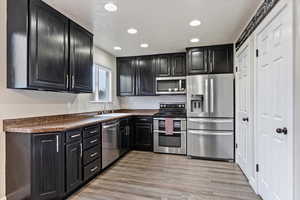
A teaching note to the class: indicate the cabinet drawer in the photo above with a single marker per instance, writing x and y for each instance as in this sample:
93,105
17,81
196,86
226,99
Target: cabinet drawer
91,131
91,154
73,136
92,169
90,142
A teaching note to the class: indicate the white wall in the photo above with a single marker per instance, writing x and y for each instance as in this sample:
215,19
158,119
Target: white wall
148,102
18,103
297,100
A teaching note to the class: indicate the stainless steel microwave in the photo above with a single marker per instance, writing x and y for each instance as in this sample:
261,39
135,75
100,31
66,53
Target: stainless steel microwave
171,85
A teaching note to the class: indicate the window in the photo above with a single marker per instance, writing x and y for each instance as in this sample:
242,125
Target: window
102,84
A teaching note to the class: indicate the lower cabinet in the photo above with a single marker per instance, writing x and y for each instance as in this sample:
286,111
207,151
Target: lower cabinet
143,134
73,165
47,166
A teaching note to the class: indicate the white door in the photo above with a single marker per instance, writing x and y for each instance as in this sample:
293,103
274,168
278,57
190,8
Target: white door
243,105
274,82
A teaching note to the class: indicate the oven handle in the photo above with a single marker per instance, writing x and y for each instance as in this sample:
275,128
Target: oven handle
174,132
181,119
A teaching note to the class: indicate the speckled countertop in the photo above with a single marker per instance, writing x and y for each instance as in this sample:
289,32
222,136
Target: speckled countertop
61,123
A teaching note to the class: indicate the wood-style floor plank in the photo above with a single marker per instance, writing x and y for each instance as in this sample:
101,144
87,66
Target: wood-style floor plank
151,176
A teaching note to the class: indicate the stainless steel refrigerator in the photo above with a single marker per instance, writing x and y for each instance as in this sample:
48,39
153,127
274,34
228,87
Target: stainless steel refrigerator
210,112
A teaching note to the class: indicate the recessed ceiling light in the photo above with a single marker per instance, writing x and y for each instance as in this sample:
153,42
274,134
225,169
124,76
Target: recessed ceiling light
144,45
194,40
132,31
110,7
195,23
117,48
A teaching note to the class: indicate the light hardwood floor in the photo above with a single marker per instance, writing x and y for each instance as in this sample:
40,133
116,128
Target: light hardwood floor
145,176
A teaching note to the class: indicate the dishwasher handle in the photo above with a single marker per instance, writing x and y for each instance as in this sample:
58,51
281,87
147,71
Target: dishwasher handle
110,125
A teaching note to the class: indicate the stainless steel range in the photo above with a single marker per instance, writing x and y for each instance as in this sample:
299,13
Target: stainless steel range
170,129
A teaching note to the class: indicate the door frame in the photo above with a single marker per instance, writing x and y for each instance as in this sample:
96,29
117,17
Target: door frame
282,4
250,44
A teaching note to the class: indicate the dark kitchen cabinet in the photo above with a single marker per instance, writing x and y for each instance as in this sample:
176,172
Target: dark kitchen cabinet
81,59
47,166
178,64
197,61
171,65
125,136
73,165
48,69
143,134
163,68
221,59
145,76
212,59
38,49
126,76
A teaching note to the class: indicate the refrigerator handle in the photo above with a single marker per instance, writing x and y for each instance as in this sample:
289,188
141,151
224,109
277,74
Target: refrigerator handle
212,95
206,96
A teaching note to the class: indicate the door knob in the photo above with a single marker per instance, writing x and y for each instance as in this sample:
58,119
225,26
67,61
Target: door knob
282,130
246,119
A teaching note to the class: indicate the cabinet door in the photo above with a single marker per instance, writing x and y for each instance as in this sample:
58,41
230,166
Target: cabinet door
146,76
221,59
179,65
126,76
143,137
48,48
73,165
81,59
163,68
197,61
47,166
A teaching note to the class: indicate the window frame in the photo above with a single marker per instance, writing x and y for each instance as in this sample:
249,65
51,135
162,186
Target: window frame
96,95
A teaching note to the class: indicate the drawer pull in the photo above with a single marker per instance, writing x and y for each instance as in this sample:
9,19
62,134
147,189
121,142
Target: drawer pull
93,141
92,132
94,169
93,155
75,136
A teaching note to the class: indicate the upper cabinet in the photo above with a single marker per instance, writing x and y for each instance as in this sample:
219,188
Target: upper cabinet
171,65
45,51
145,76
126,76
163,66
81,59
49,30
136,76
212,59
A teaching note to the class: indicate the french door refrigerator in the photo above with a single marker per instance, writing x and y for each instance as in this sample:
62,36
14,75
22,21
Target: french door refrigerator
210,112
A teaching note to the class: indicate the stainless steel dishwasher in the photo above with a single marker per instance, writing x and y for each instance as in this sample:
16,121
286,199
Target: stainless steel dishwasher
110,142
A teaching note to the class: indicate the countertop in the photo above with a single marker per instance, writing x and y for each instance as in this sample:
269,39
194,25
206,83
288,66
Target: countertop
60,123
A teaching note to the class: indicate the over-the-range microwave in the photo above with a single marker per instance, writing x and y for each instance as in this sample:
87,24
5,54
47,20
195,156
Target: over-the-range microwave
171,85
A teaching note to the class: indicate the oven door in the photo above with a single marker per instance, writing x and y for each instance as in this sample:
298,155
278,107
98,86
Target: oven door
174,144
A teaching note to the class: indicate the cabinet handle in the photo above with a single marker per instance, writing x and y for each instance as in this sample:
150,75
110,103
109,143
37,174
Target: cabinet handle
93,155
92,132
81,150
73,81
67,81
93,141
94,169
57,144
75,136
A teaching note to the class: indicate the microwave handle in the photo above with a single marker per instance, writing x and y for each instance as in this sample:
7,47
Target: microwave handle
180,85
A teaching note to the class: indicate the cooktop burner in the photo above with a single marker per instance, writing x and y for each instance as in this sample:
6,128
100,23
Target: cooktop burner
171,110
